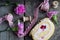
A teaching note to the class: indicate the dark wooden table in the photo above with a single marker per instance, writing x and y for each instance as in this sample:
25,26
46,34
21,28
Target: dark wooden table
30,6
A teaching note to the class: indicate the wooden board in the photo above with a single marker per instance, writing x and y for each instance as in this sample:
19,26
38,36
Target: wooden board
30,6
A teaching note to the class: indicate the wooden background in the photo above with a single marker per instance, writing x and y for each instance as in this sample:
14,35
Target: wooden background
30,6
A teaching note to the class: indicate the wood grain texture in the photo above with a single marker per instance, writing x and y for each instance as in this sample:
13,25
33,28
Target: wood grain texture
8,35
30,7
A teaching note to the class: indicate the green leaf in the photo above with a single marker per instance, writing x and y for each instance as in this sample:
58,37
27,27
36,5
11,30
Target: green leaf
55,19
15,29
16,3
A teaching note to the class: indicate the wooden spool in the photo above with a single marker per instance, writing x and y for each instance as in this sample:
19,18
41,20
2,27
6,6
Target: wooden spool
29,18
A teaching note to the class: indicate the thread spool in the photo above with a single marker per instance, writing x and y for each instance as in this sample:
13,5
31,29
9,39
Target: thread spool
55,4
29,18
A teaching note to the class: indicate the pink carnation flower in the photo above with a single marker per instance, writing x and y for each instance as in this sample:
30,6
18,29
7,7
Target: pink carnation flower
45,5
51,13
20,9
9,18
20,28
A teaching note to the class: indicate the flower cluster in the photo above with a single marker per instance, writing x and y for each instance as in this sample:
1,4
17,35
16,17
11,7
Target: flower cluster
20,9
51,13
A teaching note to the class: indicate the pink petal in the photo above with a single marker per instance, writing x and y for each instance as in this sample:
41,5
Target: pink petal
20,9
20,28
45,5
51,13
9,18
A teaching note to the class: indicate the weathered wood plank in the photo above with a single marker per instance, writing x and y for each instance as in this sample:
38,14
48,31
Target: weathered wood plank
4,10
30,6
4,36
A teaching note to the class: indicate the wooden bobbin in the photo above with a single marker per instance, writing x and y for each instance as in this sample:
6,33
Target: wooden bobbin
29,18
